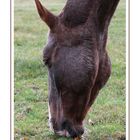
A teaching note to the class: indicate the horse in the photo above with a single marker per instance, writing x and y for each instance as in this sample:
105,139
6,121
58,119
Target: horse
77,60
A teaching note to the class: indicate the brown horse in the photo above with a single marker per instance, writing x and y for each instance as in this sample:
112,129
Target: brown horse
77,60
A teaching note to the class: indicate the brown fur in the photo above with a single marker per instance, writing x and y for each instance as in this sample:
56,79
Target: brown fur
77,60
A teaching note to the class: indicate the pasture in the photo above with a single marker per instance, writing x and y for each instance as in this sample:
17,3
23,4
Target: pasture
106,119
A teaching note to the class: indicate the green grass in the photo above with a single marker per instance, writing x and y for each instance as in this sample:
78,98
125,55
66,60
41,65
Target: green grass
107,115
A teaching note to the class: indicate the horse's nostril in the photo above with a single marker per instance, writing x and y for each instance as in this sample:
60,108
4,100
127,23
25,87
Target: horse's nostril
76,132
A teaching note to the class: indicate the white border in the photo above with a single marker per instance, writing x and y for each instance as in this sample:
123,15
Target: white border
5,69
135,69
12,70
127,67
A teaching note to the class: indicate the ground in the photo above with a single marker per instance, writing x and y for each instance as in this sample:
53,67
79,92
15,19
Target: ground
106,119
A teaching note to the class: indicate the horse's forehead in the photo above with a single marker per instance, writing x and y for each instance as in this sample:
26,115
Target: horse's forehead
67,36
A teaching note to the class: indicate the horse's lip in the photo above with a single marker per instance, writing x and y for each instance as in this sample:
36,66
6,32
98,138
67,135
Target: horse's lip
77,138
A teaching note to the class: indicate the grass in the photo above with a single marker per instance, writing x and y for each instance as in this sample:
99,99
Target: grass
106,119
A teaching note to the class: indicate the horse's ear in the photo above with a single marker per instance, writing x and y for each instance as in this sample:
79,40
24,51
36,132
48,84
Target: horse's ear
105,12
45,15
